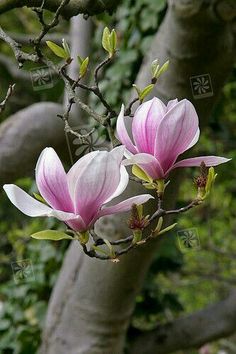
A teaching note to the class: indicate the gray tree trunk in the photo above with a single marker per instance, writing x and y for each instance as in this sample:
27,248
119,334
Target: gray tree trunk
39,126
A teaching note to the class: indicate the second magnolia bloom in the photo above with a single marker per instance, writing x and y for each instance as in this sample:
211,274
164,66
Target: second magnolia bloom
160,134
79,197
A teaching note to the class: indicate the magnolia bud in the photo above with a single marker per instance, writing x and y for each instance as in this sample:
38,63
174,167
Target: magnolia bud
137,221
204,181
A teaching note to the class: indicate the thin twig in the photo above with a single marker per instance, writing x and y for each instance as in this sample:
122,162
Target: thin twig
100,241
96,90
98,68
8,95
46,27
162,212
191,205
129,108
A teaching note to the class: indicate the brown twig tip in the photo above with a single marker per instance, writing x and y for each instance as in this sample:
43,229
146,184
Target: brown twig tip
201,180
9,93
137,221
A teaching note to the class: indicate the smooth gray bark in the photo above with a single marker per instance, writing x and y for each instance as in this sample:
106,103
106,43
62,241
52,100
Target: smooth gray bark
24,135
80,36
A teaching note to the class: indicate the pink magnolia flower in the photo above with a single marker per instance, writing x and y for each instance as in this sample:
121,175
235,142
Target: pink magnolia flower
160,134
78,198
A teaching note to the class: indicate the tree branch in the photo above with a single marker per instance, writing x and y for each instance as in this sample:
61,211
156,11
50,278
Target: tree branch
25,38
8,95
75,7
211,323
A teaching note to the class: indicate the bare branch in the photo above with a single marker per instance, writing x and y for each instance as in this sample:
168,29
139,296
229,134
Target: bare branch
75,7
8,95
21,56
214,322
25,38
47,27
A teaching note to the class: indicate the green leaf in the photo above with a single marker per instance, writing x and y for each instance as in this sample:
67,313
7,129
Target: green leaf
140,210
53,235
109,41
66,48
106,40
163,69
110,247
137,236
80,60
167,229
145,92
139,172
159,225
210,179
113,40
154,68
100,250
57,50
84,67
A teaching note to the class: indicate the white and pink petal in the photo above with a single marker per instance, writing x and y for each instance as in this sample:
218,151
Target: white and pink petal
76,171
122,131
195,139
124,180
196,161
145,123
31,207
148,163
125,205
77,224
172,103
176,133
97,183
52,182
